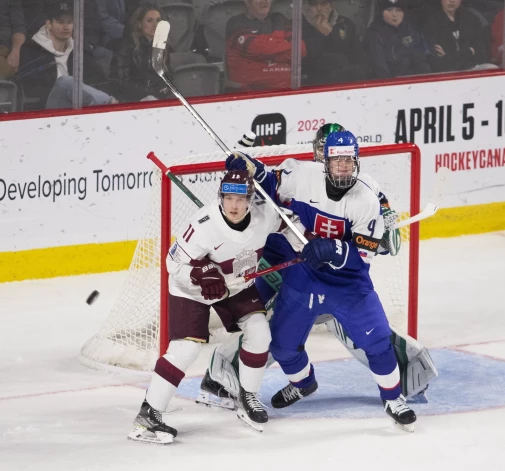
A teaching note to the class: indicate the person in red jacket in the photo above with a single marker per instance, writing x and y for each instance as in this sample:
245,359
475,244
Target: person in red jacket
258,48
497,38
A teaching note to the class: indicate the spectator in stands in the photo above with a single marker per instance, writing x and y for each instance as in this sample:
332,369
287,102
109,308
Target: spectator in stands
334,51
46,63
258,48
497,38
456,38
35,15
394,45
137,79
112,15
12,36
130,8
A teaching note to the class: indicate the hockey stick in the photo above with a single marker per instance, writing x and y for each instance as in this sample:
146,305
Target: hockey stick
430,209
159,45
434,201
166,170
266,271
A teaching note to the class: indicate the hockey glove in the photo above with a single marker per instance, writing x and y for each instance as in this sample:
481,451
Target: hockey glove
255,167
391,240
320,251
206,275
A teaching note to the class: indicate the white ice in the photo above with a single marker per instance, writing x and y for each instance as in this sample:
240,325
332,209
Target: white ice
56,414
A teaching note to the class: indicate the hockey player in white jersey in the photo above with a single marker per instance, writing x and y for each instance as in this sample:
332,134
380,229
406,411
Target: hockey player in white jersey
221,242
341,215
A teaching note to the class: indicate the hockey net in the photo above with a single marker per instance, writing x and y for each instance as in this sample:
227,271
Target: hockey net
135,332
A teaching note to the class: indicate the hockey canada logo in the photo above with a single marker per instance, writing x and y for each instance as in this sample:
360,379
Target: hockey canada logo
328,227
270,129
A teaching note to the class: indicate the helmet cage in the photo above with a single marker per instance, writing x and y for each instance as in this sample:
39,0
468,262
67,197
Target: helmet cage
347,179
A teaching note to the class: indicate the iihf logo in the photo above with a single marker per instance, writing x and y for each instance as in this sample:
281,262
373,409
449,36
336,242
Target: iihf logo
270,129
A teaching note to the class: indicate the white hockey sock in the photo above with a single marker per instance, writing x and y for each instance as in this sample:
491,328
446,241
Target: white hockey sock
251,378
388,381
169,371
254,351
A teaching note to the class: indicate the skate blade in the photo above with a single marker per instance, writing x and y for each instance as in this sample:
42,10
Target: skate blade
140,434
241,414
410,428
210,400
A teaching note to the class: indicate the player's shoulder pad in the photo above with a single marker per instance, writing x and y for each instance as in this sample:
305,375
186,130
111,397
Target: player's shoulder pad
203,214
289,164
362,199
370,182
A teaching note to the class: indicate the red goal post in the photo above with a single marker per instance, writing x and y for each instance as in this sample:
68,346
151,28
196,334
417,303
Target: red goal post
167,235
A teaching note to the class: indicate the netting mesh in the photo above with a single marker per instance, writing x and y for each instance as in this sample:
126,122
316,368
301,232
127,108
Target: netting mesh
130,336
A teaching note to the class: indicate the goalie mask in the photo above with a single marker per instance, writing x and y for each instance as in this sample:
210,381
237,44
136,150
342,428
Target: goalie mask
341,159
236,195
320,139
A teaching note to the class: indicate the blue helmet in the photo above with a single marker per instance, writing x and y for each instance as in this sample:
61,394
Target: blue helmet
340,150
320,139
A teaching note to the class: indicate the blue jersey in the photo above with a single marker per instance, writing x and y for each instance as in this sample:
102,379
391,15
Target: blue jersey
355,219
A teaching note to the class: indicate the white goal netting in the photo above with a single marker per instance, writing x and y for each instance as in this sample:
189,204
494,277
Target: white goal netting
130,336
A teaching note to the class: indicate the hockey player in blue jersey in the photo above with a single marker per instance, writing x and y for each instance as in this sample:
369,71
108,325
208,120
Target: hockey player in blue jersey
341,215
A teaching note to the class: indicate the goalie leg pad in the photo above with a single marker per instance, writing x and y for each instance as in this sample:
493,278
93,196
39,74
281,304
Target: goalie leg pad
222,371
416,366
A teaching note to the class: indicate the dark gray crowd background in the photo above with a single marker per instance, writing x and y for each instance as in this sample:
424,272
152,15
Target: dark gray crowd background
231,46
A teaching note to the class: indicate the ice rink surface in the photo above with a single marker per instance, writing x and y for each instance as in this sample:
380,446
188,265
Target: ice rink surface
56,414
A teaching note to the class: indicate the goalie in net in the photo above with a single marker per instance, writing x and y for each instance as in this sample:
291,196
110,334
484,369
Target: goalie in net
378,351
221,242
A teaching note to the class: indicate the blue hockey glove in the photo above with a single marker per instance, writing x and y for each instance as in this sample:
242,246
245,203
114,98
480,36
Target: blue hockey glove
320,251
233,162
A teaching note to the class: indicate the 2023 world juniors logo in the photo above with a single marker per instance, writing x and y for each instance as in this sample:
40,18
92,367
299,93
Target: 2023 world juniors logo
270,129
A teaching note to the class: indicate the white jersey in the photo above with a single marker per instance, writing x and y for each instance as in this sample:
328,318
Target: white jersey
356,216
236,253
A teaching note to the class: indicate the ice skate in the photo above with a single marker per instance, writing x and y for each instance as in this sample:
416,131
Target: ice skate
251,410
150,428
403,416
214,394
291,394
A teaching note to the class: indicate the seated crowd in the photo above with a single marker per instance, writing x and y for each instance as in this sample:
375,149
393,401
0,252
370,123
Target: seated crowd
401,38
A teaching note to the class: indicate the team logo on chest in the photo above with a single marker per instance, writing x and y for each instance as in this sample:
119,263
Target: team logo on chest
245,263
328,227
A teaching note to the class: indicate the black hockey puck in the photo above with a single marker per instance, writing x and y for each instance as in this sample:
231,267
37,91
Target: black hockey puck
92,297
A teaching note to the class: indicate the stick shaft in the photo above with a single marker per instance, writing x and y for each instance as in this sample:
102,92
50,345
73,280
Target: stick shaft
266,271
159,46
152,156
431,208
227,151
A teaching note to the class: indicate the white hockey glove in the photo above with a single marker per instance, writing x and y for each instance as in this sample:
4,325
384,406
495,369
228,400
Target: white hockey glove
391,240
